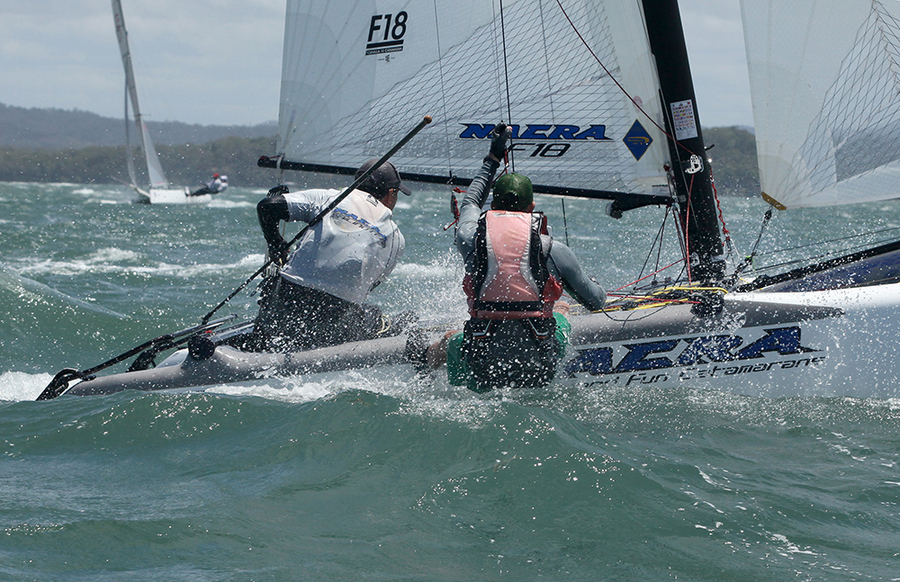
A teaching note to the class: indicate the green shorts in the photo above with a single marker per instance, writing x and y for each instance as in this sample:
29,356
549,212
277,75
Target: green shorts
458,370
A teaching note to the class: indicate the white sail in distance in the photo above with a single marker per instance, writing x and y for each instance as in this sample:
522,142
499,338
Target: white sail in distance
825,87
154,168
358,74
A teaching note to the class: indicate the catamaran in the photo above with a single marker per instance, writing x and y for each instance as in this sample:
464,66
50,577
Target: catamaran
600,97
158,191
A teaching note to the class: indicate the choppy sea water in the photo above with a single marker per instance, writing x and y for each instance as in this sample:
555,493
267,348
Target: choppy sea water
382,475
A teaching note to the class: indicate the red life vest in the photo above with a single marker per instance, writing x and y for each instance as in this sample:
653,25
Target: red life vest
511,279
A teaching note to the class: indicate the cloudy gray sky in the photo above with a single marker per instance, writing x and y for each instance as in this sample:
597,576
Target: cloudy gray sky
218,62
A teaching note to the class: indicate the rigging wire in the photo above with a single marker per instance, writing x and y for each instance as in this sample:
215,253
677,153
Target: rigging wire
823,255
510,158
656,272
657,243
687,221
678,145
833,240
616,81
725,232
748,260
440,65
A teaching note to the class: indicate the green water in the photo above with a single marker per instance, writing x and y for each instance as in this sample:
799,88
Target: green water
381,475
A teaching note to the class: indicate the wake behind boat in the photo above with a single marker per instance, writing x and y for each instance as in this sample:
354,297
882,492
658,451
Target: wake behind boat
602,106
158,190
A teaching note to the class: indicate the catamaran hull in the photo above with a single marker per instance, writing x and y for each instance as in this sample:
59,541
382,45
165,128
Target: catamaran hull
170,196
228,365
823,343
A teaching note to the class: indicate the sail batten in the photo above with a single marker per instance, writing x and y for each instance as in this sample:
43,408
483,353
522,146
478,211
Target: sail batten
354,77
825,85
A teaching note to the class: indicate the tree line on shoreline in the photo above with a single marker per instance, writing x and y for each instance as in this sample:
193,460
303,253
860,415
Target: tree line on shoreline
187,164
732,149
58,129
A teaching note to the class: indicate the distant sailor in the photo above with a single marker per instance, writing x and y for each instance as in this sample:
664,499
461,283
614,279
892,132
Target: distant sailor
318,297
217,185
515,273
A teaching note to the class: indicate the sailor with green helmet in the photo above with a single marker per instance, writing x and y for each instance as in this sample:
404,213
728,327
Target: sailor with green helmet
515,273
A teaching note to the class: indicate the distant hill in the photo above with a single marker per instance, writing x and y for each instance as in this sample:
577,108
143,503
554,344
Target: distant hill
52,145
185,165
734,163
58,129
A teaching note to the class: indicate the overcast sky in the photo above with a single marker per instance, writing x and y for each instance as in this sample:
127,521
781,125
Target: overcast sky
218,62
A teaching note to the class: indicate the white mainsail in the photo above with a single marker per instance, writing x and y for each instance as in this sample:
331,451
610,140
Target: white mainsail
358,74
154,168
825,85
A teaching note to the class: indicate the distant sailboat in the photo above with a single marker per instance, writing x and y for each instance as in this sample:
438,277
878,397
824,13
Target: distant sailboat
158,191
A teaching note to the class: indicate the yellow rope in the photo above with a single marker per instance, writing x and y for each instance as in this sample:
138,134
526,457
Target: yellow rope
650,301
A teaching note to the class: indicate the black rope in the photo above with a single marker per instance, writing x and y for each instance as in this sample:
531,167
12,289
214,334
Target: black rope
833,240
657,243
825,255
748,260
512,159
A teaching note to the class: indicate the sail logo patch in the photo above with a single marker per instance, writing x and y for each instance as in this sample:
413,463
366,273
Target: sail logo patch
637,140
538,131
693,353
361,223
386,33
539,139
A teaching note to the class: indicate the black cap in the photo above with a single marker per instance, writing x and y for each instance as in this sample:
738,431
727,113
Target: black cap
379,181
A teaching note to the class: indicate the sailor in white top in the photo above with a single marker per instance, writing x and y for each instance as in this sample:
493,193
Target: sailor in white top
318,298
215,186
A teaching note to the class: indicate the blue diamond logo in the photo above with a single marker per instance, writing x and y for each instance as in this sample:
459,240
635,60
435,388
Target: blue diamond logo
637,140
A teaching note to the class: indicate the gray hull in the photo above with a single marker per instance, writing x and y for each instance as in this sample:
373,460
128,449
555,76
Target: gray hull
228,365
604,348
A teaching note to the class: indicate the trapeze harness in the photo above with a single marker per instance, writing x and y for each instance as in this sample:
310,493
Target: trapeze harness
510,338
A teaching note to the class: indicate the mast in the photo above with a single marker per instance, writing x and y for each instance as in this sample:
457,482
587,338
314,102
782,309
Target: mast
129,154
693,183
154,168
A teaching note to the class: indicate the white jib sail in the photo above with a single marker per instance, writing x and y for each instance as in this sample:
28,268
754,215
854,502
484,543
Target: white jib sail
154,168
357,75
825,85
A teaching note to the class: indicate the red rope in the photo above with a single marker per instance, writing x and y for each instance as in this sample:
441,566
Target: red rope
687,221
650,275
712,182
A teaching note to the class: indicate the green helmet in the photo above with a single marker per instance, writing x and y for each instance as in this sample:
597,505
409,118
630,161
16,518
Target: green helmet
513,192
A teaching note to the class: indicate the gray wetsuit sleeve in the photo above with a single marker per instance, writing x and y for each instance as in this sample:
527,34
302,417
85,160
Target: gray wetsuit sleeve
564,266
470,208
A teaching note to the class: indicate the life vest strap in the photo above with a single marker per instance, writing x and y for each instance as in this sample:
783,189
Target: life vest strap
508,306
